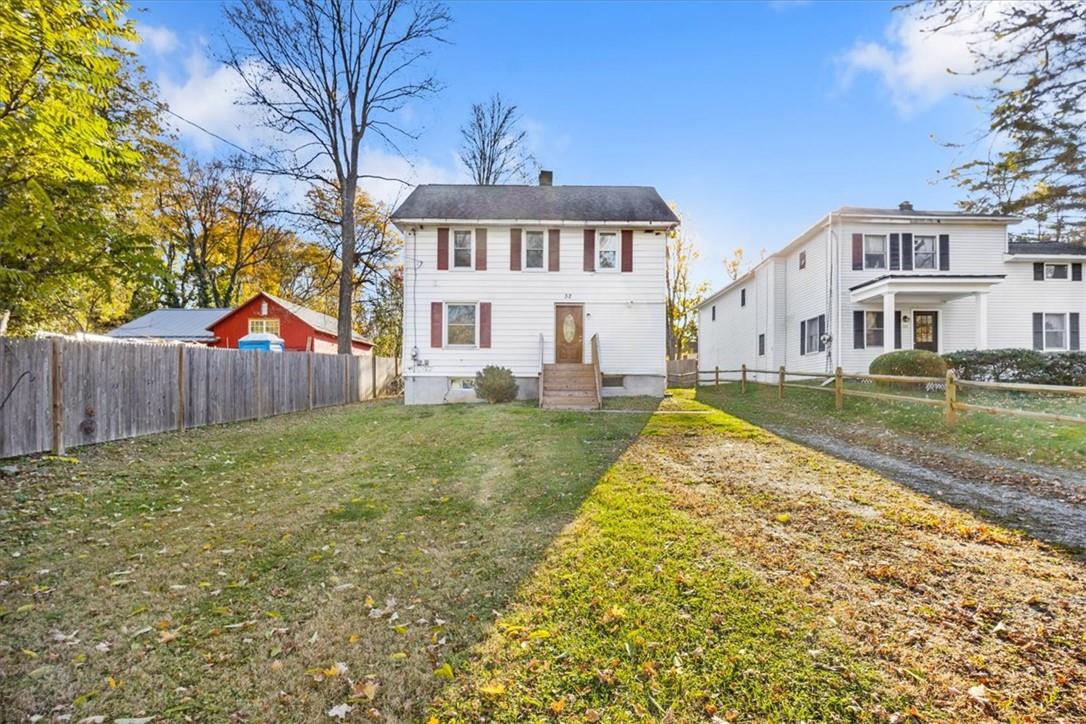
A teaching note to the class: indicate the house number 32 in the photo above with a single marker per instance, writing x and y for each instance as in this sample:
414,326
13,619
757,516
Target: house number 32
568,295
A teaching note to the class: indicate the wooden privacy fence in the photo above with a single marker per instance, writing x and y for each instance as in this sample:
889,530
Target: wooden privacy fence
682,372
949,401
57,393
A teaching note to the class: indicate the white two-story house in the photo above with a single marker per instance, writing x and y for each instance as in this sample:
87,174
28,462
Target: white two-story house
861,282
524,277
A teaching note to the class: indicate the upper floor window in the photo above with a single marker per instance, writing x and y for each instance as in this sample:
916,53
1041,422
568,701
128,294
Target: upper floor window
714,312
259,325
533,250
607,252
924,252
742,297
873,329
874,251
460,327
803,260
1055,326
462,249
1056,271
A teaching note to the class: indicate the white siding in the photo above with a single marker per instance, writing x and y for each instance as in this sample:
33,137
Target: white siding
625,309
801,294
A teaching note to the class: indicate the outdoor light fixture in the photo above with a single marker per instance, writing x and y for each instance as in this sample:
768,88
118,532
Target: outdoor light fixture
904,318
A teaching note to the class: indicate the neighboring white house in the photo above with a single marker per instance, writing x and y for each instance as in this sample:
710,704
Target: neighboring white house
861,282
524,276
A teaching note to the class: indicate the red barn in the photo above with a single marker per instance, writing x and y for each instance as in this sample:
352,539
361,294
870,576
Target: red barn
302,329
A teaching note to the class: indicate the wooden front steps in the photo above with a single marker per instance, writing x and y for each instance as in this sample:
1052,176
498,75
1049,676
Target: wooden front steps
569,387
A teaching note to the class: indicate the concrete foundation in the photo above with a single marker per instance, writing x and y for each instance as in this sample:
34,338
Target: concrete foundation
438,390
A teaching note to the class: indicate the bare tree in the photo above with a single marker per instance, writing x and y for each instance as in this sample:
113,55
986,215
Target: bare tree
493,146
326,72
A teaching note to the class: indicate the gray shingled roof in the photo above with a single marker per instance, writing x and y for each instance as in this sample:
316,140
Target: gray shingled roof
186,325
912,213
315,319
1046,247
544,203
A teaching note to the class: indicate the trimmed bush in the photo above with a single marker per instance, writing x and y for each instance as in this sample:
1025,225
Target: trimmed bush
1019,365
495,384
910,363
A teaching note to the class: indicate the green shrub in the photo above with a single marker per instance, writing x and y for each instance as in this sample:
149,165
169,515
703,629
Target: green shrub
909,363
495,384
1019,365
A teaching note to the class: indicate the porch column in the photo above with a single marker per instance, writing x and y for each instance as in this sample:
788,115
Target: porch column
888,321
982,319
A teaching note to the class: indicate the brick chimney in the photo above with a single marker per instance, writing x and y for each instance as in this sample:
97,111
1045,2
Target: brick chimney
905,206
546,178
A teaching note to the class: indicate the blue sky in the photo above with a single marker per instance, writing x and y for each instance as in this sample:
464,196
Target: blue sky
755,118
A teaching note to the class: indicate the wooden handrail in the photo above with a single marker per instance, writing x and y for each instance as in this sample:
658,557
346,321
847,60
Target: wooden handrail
597,375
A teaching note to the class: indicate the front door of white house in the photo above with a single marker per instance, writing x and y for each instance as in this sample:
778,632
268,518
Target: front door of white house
569,333
926,331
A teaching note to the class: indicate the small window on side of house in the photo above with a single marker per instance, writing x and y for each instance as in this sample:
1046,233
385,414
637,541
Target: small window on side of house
258,325
1056,271
873,329
462,249
811,335
1055,328
742,297
803,260
713,310
761,345
924,252
460,327
874,251
607,253
533,250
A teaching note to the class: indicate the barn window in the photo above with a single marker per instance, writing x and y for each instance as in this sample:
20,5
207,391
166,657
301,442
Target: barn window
258,325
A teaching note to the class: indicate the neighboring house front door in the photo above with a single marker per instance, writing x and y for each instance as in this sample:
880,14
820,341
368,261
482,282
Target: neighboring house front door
926,331
569,333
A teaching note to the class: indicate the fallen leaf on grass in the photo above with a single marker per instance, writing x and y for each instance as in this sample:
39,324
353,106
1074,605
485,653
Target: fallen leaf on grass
164,637
492,689
444,671
340,711
364,689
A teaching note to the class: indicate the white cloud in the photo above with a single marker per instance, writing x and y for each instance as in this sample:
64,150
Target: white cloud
160,40
916,66
400,174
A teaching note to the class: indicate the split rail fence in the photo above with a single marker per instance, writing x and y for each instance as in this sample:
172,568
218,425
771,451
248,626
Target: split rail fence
57,393
948,402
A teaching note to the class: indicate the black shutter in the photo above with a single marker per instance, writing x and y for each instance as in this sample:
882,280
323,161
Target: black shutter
1076,272
944,252
1074,330
907,252
803,338
1038,330
821,332
897,329
858,329
1038,271
895,252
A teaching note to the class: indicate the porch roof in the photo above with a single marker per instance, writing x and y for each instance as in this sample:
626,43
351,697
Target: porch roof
929,287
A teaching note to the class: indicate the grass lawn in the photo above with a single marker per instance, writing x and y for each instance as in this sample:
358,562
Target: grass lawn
232,570
720,571
1062,445
460,563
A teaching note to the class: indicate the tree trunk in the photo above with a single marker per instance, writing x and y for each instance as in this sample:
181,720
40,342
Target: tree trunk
346,273
4,317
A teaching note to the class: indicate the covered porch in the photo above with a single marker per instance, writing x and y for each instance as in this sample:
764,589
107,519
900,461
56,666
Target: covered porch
916,303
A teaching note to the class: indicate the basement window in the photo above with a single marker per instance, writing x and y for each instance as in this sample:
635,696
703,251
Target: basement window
614,381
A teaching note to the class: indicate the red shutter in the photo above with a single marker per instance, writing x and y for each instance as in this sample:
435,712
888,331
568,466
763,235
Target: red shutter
443,248
435,324
480,250
589,250
857,252
627,250
514,250
484,324
554,245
